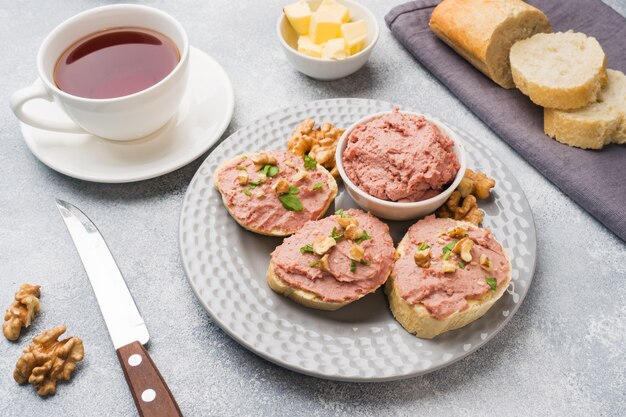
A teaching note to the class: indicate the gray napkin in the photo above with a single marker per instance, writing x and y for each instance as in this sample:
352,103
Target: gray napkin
596,180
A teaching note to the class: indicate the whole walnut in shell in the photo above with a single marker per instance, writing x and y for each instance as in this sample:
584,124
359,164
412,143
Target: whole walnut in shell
48,360
22,311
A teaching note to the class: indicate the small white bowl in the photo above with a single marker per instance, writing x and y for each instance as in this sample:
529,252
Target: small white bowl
326,69
392,210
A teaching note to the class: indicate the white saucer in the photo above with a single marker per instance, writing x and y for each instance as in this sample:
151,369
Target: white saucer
204,114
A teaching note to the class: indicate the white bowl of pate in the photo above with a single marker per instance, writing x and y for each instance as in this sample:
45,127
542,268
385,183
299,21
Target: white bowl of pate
400,165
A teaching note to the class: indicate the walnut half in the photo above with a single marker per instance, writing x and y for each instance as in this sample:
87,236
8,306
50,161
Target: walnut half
319,144
462,203
48,360
23,310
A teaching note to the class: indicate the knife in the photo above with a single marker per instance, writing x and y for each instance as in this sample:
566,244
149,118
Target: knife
126,326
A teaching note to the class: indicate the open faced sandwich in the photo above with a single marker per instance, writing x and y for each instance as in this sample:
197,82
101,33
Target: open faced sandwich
332,262
275,193
448,274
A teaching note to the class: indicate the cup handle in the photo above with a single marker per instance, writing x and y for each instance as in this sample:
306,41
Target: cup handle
34,92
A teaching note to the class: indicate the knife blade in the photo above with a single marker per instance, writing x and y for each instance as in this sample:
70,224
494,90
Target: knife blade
123,320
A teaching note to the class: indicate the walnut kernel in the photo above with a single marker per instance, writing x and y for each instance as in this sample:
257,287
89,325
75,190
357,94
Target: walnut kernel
324,263
356,253
463,248
457,232
48,360
346,221
422,258
322,244
281,186
262,158
319,144
22,311
242,178
353,232
448,267
485,262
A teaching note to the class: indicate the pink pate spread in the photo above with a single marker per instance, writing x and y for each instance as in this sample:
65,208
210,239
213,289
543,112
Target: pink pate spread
400,157
262,210
445,293
339,284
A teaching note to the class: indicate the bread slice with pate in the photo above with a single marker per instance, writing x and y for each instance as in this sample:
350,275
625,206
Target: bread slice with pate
334,261
447,274
274,193
559,70
596,125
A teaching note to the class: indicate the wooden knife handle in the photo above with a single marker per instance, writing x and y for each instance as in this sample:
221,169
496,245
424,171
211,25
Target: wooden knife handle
150,392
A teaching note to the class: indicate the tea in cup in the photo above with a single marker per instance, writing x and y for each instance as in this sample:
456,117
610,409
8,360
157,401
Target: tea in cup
118,72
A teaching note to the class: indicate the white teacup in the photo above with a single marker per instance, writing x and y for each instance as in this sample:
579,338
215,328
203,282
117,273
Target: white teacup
121,118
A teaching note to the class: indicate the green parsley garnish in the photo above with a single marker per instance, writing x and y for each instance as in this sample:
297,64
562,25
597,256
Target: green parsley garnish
340,213
241,167
363,237
335,234
269,170
253,184
461,264
423,246
446,255
449,247
366,263
352,266
309,163
246,192
317,185
314,264
306,248
492,282
290,201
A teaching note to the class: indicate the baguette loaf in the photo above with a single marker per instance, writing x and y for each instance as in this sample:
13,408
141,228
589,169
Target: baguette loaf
596,125
483,31
559,70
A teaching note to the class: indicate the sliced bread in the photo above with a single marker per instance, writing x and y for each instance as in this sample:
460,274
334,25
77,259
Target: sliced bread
596,125
415,317
255,203
559,70
483,31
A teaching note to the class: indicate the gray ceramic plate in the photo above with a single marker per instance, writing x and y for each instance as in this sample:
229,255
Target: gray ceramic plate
226,268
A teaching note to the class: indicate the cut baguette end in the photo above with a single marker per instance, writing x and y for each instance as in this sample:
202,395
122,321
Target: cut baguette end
559,70
596,125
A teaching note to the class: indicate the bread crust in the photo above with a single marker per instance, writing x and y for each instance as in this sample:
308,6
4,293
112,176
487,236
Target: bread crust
416,319
482,31
306,298
596,125
332,185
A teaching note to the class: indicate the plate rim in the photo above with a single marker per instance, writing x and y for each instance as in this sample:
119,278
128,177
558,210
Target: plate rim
340,378
228,116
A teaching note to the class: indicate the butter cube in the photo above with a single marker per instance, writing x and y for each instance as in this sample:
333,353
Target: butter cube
299,16
308,47
336,9
324,26
355,34
334,49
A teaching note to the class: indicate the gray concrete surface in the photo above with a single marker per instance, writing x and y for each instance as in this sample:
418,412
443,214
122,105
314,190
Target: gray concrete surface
564,353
